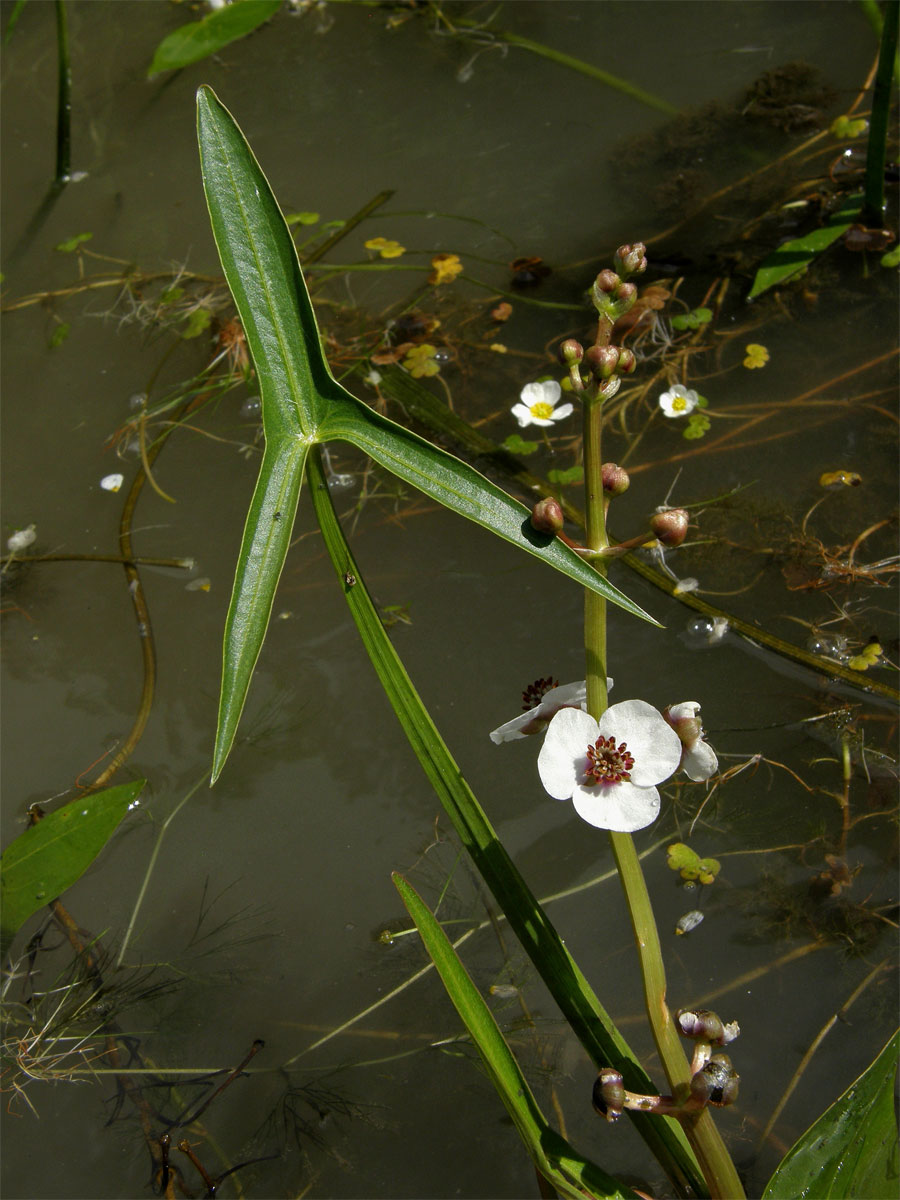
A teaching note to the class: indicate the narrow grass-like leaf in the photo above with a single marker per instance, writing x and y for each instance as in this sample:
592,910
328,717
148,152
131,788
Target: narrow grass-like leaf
589,1020
557,1161
795,256
51,855
267,535
851,1151
189,43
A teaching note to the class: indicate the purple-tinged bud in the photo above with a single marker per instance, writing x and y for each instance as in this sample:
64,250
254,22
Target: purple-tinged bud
701,1025
571,352
670,527
609,1094
626,294
631,260
607,281
615,479
603,360
627,362
547,516
717,1083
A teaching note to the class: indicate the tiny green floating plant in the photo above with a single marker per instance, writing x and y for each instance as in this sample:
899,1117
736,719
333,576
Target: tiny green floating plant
607,759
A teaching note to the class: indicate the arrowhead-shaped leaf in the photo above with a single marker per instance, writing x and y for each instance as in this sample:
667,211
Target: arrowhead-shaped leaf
302,403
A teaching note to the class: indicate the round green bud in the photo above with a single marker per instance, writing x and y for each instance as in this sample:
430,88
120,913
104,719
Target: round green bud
615,479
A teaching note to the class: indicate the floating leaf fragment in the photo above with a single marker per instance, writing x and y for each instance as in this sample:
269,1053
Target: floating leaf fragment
868,657
421,361
692,320
71,244
385,247
848,127
838,479
446,268
757,356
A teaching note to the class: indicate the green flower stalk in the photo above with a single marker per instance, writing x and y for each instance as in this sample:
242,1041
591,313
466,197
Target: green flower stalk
613,299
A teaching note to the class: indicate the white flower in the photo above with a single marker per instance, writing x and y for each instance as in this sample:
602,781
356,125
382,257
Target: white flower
112,483
536,720
609,768
537,404
678,401
698,759
21,539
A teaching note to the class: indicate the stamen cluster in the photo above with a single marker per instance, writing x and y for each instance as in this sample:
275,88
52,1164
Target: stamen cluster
607,762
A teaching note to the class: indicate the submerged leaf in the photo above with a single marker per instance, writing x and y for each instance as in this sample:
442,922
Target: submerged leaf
793,257
189,43
53,853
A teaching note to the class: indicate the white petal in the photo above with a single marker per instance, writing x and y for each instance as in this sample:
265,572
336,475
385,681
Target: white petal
700,761
546,392
687,708
654,744
563,411
618,806
566,693
112,483
563,757
522,414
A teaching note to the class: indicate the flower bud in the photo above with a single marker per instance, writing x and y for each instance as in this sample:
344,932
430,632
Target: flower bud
603,360
615,479
717,1083
626,294
670,527
699,1024
609,1094
607,281
571,352
627,361
547,516
631,260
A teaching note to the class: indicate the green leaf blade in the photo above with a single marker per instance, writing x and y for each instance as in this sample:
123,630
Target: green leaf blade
851,1151
793,257
198,39
462,489
267,535
48,857
261,265
569,1173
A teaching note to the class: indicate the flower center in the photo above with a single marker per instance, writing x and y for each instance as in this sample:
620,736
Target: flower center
679,404
607,762
535,692
542,410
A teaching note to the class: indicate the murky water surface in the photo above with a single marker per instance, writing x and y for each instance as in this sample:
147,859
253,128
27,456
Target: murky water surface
265,897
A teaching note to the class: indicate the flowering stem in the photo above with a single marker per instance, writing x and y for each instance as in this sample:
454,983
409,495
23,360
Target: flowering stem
712,1156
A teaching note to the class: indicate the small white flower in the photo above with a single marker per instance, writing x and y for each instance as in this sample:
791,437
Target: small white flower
112,483
21,539
536,719
609,768
698,759
537,404
678,401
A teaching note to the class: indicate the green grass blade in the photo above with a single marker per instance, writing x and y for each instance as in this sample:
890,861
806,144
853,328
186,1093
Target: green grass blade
51,855
198,39
462,489
578,1177
589,1020
267,535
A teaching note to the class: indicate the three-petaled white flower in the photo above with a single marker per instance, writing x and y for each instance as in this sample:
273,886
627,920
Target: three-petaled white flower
678,401
609,768
698,759
536,719
537,404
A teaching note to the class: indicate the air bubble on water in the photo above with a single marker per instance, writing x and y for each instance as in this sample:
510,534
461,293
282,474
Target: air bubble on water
337,482
137,401
251,408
